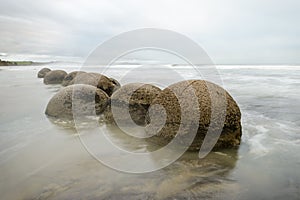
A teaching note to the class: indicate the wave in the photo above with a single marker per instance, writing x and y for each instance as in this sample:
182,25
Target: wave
264,134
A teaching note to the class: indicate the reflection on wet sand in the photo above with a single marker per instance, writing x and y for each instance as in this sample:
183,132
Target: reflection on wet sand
187,178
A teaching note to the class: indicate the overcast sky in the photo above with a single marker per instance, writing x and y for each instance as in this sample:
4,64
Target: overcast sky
239,31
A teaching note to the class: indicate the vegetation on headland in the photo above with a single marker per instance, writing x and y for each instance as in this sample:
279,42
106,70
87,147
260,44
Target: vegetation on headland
18,63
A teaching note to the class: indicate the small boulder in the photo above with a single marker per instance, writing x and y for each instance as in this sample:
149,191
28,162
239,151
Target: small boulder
135,96
227,116
116,83
95,79
89,101
70,76
54,77
43,72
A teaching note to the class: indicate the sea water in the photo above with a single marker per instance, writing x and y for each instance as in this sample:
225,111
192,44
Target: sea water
45,159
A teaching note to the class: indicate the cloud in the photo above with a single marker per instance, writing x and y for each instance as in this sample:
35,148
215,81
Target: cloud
231,31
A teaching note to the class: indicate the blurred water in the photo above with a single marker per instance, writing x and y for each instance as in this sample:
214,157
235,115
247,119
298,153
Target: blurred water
41,160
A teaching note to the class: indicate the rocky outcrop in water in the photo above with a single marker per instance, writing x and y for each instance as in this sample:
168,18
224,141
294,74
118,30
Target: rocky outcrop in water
43,72
213,109
54,77
88,99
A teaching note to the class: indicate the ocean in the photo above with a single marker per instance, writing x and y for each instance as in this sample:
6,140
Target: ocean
45,159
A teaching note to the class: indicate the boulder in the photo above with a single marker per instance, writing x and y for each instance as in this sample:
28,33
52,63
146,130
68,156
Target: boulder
70,76
135,96
95,79
43,72
226,117
89,101
54,77
116,83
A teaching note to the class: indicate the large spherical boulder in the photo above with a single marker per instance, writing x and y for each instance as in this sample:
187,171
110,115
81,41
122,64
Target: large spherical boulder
43,72
70,76
55,77
137,98
95,79
89,101
226,116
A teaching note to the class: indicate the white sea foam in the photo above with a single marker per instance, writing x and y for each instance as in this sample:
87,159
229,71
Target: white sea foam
261,67
258,145
262,134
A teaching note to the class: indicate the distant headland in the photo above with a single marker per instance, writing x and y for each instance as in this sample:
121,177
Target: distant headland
20,63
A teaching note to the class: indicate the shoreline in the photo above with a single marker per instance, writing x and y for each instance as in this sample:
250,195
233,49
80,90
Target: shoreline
21,63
